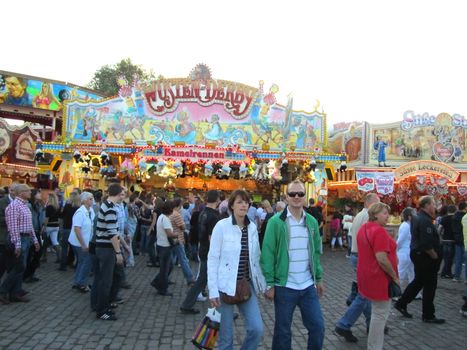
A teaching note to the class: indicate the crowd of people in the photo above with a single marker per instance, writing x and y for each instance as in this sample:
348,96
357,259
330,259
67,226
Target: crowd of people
243,250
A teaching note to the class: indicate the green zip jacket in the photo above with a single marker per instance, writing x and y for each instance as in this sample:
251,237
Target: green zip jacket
275,251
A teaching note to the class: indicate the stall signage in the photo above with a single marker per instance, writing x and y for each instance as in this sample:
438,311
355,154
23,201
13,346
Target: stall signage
237,99
426,166
411,120
366,181
384,182
25,147
5,139
195,153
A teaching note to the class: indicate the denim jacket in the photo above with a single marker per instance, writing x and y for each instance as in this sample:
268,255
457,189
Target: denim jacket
224,257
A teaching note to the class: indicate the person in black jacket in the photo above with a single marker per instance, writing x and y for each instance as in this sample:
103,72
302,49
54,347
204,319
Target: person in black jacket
425,253
207,220
458,234
446,227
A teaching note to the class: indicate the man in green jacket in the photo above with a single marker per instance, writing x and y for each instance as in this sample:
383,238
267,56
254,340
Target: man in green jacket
290,261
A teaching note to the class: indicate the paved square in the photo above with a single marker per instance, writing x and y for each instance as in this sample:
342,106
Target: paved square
60,318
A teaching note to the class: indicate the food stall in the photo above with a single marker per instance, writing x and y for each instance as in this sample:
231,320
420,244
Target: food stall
424,155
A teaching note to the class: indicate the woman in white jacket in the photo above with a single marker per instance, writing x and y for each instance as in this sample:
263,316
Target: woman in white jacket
405,265
233,255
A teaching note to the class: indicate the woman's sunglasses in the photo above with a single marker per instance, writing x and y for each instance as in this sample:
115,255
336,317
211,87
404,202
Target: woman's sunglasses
294,194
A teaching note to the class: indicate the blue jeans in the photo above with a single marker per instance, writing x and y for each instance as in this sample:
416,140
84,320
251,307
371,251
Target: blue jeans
161,281
285,302
26,242
459,258
143,244
353,261
151,249
83,266
359,305
253,322
179,251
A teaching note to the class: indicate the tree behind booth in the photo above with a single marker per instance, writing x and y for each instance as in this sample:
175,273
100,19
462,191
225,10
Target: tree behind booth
106,78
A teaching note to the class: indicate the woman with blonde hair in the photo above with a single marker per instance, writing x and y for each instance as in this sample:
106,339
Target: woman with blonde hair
45,97
51,226
376,269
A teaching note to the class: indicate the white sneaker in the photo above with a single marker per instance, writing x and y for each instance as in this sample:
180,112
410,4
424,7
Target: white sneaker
201,297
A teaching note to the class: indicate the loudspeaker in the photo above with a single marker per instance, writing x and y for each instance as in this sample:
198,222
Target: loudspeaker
57,165
330,173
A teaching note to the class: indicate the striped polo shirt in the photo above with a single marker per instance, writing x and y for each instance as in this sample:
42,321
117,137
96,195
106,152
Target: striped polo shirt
299,277
107,224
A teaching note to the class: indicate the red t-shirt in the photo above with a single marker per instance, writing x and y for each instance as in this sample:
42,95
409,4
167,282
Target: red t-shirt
373,282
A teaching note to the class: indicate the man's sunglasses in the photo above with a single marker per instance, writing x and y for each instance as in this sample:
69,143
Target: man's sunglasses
294,194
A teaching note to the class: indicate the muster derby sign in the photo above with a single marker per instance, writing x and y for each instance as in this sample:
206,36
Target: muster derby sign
165,95
426,166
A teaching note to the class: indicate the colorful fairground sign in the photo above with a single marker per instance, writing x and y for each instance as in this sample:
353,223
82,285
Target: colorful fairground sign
196,110
24,91
424,136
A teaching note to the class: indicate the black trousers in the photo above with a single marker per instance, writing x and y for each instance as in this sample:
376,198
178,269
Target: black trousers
448,257
34,260
198,287
2,260
104,278
426,278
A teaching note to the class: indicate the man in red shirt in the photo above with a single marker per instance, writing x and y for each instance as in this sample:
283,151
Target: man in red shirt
21,234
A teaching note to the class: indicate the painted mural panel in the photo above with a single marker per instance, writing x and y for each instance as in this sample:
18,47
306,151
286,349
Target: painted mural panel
195,113
347,137
17,143
20,91
442,138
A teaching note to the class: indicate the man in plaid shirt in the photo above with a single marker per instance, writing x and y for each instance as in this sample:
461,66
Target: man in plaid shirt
21,233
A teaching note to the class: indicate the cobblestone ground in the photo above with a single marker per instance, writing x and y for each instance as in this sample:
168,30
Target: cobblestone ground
60,318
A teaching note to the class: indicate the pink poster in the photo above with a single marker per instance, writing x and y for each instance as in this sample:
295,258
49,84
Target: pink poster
384,182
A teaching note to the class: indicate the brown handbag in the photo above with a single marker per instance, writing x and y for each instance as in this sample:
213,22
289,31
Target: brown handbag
242,293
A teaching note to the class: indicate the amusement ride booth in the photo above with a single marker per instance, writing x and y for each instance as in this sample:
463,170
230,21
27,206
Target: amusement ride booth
194,133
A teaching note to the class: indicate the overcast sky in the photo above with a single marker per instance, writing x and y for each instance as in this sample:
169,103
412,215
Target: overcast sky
364,60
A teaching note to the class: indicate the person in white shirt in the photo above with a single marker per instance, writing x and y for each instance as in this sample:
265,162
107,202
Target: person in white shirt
165,237
259,216
252,213
80,235
347,225
405,264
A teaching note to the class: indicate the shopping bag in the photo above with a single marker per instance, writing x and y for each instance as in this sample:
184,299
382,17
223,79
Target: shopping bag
206,333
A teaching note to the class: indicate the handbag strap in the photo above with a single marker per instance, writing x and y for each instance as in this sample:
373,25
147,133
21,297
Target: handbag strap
366,236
